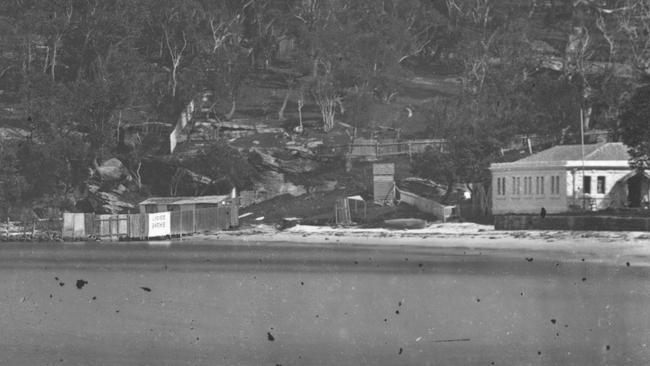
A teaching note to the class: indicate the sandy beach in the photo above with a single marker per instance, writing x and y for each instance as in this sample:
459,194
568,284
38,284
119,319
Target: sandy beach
597,245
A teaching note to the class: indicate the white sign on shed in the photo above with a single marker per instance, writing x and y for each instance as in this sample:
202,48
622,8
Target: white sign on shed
159,224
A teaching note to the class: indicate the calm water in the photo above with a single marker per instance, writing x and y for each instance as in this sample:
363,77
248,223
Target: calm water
243,304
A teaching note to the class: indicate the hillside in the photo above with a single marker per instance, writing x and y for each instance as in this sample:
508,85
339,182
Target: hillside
90,94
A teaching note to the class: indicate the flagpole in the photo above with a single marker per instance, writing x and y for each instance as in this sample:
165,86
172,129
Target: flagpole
582,148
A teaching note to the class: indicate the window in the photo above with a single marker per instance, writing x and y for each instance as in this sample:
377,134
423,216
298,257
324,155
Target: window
600,184
555,184
503,189
514,185
518,185
525,185
530,185
541,185
499,191
586,184
536,185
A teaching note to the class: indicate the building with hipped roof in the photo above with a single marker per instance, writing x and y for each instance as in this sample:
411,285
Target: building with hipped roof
560,180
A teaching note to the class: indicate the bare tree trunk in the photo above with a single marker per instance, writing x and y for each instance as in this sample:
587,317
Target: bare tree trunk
300,104
138,176
174,80
233,107
284,105
54,54
46,62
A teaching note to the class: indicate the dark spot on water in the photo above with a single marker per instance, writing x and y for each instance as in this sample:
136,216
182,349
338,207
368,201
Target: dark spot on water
566,325
492,363
478,300
302,283
146,289
81,284
539,353
607,347
356,262
165,267
397,312
197,338
385,320
270,336
582,259
522,294
61,284
627,264
56,278
400,351
117,311
584,279
529,259
60,360
557,334
318,316
406,259
94,297
553,321
50,296
420,265
399,303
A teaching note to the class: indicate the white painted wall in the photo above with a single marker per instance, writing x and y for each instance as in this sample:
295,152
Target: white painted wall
571,192
532,201
614,195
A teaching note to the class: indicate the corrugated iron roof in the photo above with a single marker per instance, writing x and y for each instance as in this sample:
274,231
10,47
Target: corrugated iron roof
603,151
183,200
202,199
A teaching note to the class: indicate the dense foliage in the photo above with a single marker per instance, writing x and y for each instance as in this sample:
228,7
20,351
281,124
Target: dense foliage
77,69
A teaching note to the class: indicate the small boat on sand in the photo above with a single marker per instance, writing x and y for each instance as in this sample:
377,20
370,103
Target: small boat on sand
405,224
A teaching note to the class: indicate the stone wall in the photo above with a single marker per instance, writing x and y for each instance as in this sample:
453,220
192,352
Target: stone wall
569,222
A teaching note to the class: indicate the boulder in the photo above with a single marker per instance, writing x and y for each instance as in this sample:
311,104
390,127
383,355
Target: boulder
112,169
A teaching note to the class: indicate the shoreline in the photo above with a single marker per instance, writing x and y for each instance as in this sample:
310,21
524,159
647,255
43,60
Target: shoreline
606,245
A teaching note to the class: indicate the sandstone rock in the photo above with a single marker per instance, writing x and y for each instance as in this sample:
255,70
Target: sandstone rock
326,186
112,169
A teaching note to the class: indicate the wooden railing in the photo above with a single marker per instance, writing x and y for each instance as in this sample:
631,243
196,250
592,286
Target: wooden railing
375,149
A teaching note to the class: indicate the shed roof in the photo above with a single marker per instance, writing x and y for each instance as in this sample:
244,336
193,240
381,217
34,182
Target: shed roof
183,200
608,151
201,199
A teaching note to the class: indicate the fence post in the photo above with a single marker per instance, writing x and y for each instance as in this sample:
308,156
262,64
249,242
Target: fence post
110,227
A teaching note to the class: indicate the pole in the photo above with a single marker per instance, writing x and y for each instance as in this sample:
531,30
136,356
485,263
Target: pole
582,147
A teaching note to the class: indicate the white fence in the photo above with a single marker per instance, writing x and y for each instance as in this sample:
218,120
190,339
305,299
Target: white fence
426,205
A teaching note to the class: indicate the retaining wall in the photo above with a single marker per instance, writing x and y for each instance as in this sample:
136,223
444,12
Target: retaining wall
559,222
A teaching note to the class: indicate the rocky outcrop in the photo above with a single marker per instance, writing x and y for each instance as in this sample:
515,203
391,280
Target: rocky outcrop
108,202
111,170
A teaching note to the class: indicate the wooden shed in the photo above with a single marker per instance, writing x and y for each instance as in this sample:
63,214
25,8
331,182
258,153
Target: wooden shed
383,183
162,204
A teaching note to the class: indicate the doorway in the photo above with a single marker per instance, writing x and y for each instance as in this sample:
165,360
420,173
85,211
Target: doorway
634,190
